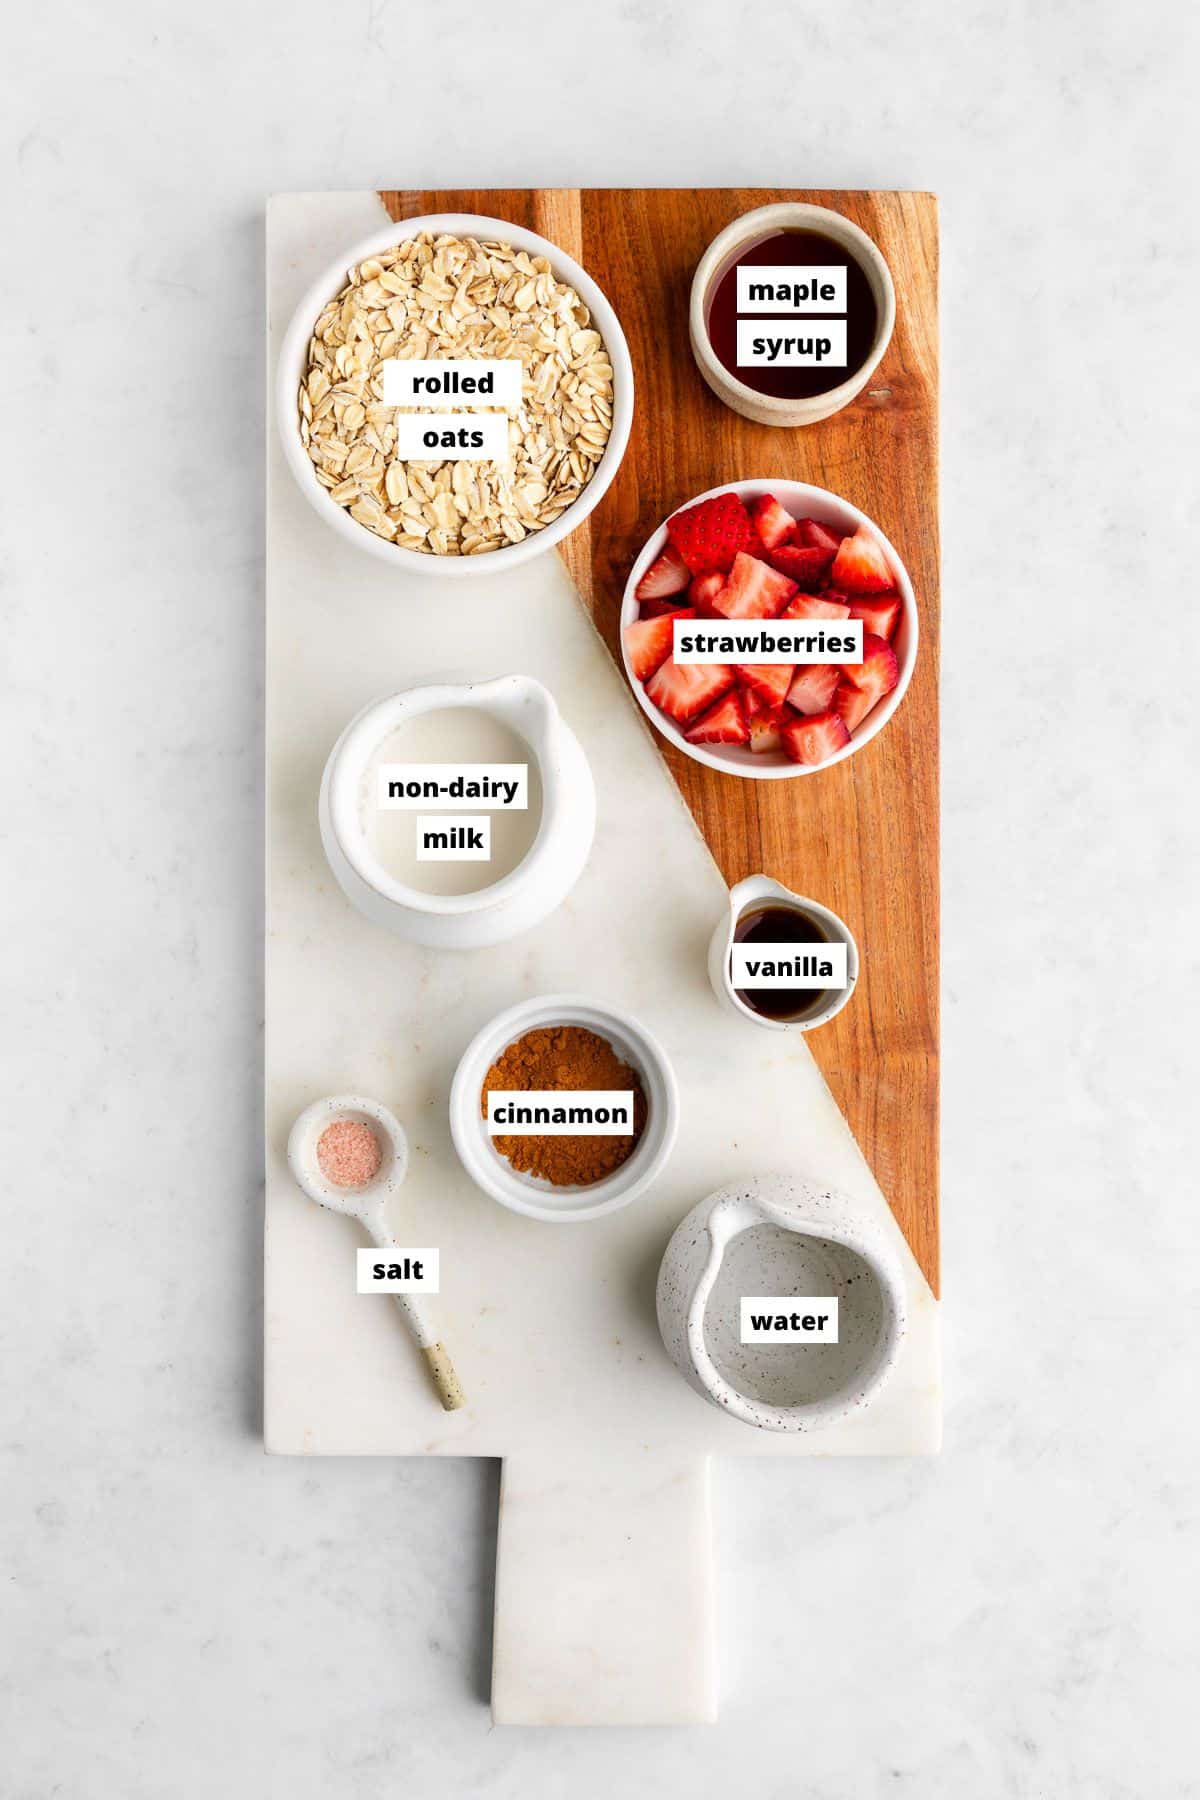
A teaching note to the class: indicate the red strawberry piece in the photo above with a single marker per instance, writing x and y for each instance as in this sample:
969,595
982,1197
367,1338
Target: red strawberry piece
708,536
683,690
770,681
864,684
753,591
670,603
752,703
724,723
648,641
851,704
764,731
810,606
802,563
817,537
860,565
773,523
880,617
667,574
704,590
813,688
814,740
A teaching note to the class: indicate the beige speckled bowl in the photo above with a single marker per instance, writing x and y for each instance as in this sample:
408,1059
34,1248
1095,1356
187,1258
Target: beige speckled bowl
769,409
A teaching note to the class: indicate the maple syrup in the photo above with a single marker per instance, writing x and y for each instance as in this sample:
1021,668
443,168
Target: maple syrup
793,249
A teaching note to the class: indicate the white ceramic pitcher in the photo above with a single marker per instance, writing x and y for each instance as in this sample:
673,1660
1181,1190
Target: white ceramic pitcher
539,883
748,896
779,1235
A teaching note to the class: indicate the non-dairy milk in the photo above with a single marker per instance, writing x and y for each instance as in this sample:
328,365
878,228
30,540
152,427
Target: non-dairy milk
467,735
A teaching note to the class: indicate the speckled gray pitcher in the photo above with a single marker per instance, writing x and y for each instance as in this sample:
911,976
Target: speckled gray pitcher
780,1235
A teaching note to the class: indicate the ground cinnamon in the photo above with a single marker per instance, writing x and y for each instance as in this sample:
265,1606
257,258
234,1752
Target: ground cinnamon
565,1056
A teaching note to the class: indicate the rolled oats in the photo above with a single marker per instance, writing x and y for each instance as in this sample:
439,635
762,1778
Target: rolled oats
455,297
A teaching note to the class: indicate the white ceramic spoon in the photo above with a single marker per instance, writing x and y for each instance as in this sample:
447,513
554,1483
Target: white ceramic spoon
368,1204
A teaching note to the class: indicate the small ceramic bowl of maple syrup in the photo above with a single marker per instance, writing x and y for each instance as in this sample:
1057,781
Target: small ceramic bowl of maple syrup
792,309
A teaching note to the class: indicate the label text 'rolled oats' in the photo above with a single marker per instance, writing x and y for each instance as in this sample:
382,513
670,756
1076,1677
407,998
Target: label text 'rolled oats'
452,436
450,381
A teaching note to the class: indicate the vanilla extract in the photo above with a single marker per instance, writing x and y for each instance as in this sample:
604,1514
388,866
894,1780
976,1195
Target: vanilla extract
784,925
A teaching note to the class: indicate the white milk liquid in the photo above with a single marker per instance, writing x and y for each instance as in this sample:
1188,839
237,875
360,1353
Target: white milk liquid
458,734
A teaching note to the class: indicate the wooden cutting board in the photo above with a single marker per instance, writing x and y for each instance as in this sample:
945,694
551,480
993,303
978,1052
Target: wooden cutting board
863,836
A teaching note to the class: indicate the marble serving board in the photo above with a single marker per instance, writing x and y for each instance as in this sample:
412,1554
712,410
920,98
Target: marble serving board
604,1585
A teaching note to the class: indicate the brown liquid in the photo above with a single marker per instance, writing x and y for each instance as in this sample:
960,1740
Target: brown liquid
781,925
794,248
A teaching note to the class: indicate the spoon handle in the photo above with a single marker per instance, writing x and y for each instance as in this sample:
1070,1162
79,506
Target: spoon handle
437,1358
448,1386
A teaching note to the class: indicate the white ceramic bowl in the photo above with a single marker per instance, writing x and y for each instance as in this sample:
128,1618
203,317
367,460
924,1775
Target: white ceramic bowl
541,1199
293,360
803,502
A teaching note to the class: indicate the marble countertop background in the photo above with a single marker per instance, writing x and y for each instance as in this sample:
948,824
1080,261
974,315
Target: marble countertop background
184,1617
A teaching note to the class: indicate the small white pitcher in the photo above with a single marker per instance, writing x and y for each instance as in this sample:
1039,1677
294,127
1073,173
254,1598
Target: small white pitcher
778,1235
521,899
752,895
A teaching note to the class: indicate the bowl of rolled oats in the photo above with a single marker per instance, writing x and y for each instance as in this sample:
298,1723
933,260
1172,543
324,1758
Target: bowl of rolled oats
454,286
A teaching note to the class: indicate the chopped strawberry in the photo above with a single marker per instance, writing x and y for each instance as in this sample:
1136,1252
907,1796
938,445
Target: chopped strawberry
772,522
814,740
683,690
817,537
880,617
851,704
752,703
864,684
668,574
670,603
770,681
801,563
708,536
704,590
764,731
724,723
648,641
753,591
813,688
860,565
812,606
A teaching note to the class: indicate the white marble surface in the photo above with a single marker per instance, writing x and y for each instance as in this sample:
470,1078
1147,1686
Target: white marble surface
184,1616
553,1331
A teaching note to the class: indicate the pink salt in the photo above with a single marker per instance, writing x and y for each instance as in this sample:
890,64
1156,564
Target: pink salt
349,1153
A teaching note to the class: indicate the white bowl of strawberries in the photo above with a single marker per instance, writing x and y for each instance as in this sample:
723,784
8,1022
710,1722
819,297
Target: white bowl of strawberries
769,550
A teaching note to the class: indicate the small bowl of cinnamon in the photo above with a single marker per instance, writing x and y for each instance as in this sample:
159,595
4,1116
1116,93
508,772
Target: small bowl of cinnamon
564,1109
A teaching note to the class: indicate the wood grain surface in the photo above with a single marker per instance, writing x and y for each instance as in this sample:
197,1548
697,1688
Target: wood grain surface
861,837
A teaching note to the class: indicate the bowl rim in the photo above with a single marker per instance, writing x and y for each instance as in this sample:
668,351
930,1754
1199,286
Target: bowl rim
492,1174
290,361
727,760
778,216
371,726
